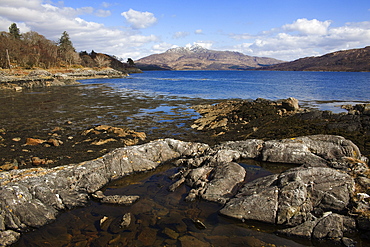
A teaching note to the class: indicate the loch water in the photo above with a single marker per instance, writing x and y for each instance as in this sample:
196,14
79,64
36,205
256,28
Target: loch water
158,99
323,90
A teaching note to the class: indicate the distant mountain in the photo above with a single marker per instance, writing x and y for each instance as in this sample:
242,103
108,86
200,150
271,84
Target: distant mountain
354,60
199,58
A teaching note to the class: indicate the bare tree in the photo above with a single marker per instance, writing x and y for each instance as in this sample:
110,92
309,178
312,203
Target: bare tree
102,61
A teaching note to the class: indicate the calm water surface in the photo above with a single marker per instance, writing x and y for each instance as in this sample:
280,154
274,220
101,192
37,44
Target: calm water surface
316,89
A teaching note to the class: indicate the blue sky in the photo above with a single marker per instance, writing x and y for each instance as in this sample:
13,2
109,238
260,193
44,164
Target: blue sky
282,29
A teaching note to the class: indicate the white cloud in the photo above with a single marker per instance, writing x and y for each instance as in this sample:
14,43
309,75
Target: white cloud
67,11
179,35
304,38
300,38
204,44
139,19
22,3
51,20
351,32
308,27
162,47
5,24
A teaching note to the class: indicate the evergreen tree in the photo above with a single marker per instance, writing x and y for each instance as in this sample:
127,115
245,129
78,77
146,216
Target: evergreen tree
14,31
130,62
66,50
64,43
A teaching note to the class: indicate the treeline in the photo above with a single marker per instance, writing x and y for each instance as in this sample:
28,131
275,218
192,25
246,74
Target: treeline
29,50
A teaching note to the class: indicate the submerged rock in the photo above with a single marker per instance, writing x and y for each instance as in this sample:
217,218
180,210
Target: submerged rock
31,198
300,197
310,198
115,199
120,223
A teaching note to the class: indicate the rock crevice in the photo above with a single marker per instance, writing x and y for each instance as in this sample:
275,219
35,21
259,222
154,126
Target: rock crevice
320,198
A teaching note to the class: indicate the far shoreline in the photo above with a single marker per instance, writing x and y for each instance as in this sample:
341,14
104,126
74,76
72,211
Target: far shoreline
18,79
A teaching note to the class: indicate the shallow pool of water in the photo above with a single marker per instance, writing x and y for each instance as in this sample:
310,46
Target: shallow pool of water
159,218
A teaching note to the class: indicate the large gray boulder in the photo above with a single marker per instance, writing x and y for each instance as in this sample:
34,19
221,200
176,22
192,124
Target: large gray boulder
329,226
315,150
308,198
320,190
213,183
290,197
31,198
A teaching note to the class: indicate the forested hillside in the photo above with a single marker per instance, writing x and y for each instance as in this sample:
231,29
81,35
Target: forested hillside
32,50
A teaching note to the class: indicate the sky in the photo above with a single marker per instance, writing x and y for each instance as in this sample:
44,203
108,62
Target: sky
281,29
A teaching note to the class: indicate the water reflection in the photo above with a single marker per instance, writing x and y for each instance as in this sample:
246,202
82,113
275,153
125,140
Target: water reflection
159,218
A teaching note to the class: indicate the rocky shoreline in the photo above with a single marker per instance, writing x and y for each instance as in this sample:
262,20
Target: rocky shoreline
265,119
43,78
326,197
59,145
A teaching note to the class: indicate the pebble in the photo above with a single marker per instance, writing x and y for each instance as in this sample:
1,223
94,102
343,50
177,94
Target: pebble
54,142
9,166
200,225
36,161
34,142
102,220
126,220
57,129
170,233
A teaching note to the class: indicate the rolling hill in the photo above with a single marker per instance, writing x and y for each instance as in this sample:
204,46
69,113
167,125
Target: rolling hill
198,58
354,60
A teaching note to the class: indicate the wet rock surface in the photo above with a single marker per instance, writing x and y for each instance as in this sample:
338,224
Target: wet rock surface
309,198
64,145
64,120
267,120
228,115
31,198
330,185
115,199
317,199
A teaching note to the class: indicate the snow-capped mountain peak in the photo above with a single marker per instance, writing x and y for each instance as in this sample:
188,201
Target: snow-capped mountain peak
188,49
